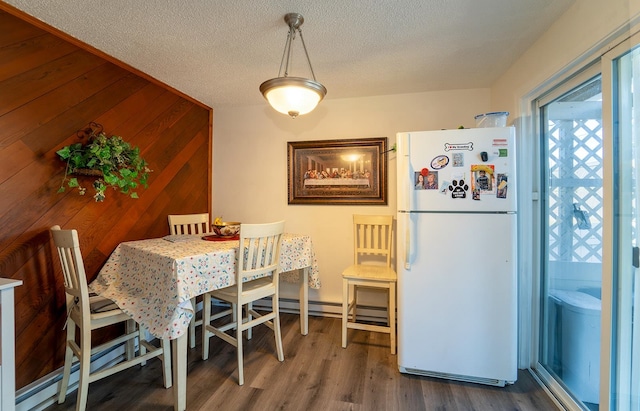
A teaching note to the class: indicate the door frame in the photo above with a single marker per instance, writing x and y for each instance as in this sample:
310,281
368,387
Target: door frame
609,350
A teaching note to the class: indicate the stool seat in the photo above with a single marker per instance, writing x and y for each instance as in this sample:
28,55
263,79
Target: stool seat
370,272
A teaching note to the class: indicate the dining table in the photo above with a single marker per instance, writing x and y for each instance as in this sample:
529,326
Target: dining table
154,280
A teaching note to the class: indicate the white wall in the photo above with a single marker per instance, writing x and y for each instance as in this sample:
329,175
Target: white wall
568,41
250,164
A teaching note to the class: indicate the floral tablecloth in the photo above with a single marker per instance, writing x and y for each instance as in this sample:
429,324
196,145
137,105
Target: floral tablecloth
154,280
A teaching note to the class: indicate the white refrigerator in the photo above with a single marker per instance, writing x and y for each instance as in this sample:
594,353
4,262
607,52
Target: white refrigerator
456,253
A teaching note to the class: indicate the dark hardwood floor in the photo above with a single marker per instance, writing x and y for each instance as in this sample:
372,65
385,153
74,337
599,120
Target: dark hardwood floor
317,374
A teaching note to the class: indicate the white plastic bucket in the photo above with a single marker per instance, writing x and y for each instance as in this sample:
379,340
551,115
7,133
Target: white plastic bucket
495,119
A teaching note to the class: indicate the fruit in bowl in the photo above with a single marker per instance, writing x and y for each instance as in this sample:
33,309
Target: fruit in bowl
226,228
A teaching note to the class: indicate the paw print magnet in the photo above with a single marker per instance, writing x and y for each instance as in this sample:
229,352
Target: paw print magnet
458,189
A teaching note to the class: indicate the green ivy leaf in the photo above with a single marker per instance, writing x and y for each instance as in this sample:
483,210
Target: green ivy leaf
64,152
110,179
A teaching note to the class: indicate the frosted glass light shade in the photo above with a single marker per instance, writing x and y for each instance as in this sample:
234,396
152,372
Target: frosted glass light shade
293,95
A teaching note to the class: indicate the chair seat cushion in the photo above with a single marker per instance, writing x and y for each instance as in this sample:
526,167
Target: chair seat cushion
369,272
101,304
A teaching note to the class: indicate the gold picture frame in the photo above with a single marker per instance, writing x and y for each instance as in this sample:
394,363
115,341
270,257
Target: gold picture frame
345,172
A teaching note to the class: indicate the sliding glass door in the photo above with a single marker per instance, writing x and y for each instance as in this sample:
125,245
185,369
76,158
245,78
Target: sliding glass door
571,258
625,284
589,305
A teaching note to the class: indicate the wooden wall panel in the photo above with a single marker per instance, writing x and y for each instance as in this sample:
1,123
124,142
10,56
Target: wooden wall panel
50,87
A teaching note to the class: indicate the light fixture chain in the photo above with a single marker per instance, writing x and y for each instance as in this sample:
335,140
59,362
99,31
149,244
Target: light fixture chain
291,37
304,46
285,56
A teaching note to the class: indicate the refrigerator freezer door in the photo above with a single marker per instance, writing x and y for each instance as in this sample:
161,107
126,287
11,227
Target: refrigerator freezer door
470,170
457,304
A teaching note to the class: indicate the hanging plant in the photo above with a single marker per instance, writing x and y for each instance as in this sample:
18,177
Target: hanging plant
112,160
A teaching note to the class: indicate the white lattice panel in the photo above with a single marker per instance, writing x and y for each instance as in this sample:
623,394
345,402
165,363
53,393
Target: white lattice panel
575,191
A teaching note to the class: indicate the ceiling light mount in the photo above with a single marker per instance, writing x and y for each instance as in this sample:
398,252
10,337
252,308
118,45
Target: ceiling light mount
294,20
293,95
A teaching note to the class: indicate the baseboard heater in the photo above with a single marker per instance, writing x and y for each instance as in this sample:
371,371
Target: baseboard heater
326,309
456,377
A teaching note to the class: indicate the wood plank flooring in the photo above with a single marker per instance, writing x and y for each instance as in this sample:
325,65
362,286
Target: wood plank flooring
317,374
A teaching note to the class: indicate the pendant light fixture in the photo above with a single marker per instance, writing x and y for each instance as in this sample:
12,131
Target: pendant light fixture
293,95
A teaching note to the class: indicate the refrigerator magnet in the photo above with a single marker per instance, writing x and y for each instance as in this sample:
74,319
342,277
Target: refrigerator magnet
458,147
426,180
458,189
483,178
439,162
444,187
502,185
419,181
431,181
458,160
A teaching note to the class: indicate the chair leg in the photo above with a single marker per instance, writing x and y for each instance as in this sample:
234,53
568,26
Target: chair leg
234,314
276,327
345,309
236,317
249,318
85,368
206,320
354,303
192,325
392,316
166,363
239,351
389,306
130,345
68,360
132,327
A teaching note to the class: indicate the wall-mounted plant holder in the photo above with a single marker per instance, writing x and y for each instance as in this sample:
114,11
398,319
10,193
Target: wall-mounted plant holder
113,161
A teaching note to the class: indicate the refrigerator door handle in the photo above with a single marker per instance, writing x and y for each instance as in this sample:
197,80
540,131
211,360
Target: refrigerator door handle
407,239
409,187
405,184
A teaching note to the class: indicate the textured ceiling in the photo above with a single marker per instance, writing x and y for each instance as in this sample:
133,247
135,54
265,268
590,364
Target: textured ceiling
219,52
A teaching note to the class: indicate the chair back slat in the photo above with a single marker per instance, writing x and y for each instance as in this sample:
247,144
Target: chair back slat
188,224
259,251
372,237
73,271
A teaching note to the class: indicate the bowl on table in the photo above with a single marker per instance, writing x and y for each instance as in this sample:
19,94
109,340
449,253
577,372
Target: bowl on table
226,229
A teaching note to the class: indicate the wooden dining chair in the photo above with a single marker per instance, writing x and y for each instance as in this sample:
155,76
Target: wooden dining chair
257,264
371,269
183,224
89,312
187,224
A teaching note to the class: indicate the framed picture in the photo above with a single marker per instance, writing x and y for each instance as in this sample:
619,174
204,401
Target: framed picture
342,172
